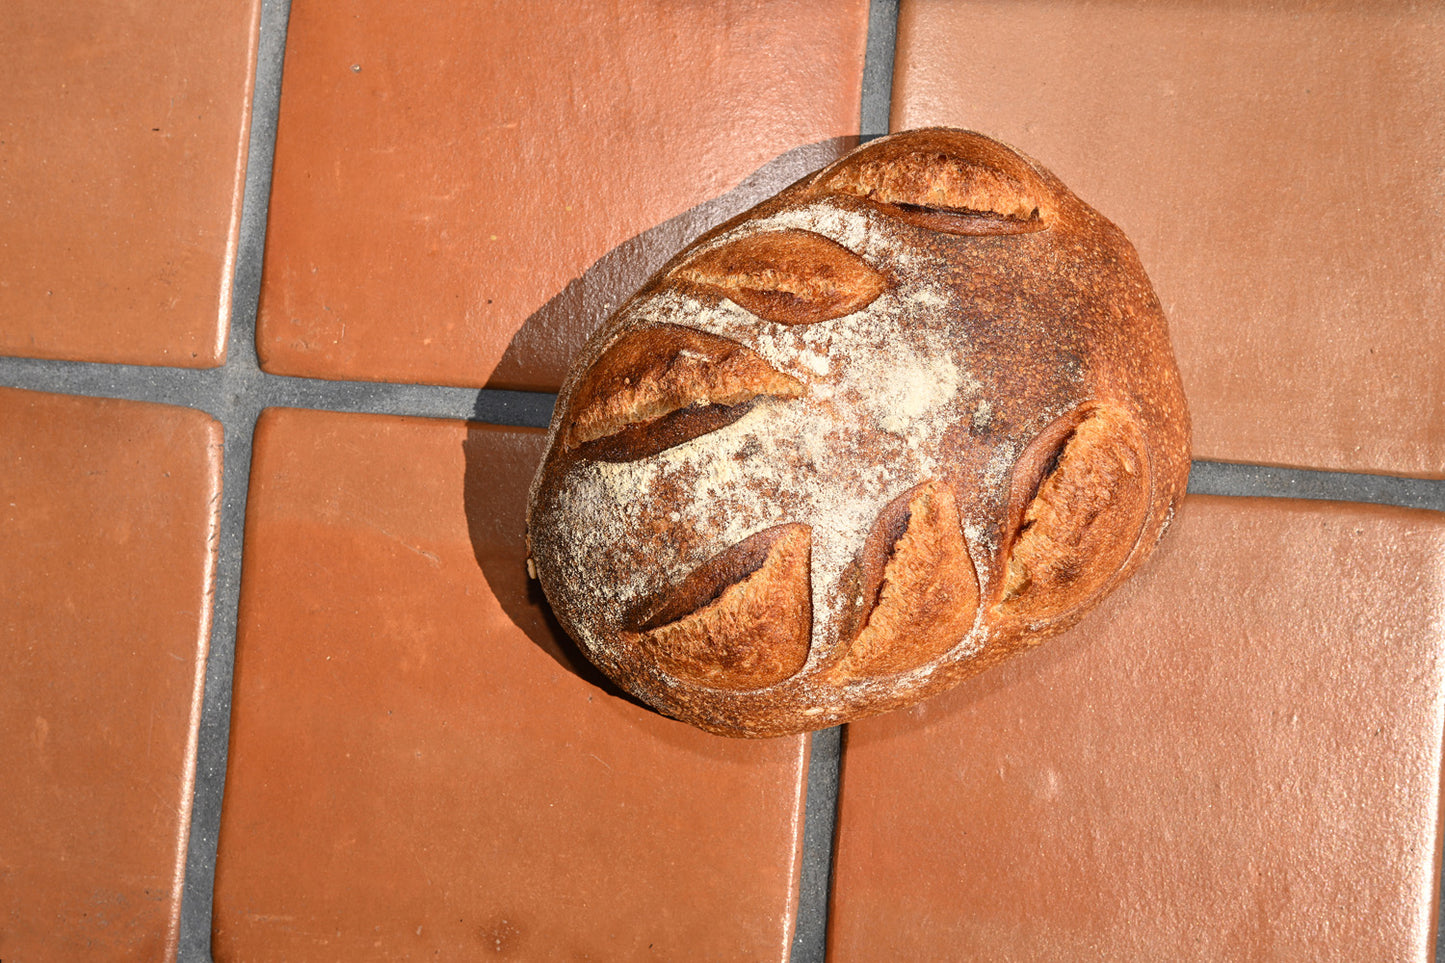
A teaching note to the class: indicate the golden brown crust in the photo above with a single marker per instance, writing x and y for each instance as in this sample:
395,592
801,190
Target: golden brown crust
1081,523
727,628
912,415
925,597
937,180
650,374
787,277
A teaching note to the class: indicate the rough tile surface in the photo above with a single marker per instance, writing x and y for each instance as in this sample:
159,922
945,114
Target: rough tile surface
123,132
1277,165
107,525
1237,757
418,767
445,173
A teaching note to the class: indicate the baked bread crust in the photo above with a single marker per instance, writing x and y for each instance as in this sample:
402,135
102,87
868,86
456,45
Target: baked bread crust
915,413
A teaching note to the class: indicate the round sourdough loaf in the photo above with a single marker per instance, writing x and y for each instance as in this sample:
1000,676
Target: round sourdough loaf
913,414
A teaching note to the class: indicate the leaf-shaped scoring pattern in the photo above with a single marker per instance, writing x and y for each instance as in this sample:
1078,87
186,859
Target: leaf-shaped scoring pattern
787,277
948,181
742,620
662,386
924,599
1082,523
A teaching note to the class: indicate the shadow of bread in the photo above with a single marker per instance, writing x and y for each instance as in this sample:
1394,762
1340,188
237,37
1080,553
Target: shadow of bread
500,464
539,355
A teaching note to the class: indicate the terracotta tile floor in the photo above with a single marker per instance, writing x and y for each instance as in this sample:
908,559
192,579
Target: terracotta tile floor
441,171
108,515
122,147
1240,741
395,756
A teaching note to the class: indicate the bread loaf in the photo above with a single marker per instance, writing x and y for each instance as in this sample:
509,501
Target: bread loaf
915,413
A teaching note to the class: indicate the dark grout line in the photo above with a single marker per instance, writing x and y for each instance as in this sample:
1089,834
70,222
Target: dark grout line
255,207
194,388
219,391
236,395
1224,478
877,96
516,409
214,736
820,822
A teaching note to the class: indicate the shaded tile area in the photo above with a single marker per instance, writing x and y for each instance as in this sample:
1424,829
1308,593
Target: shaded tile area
1277,167
442,171
419,766
107,529
1237,757
122,145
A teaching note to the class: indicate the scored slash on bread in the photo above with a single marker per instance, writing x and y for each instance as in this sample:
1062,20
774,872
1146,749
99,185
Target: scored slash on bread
914,414
920,589
787,277
1082,521
665,371
742,620
976,187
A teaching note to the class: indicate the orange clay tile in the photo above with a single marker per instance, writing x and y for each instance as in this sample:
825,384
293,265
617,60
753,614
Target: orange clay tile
1277,165
420,767
108,513
1237,757
123,133
445,171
